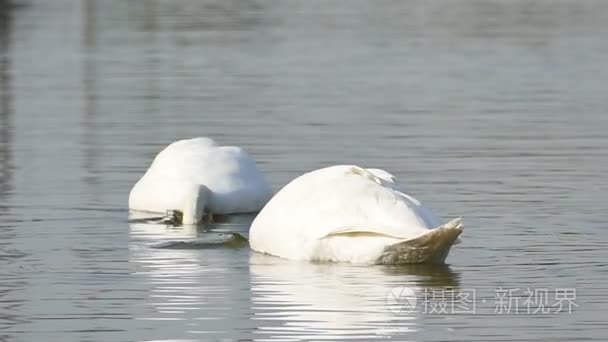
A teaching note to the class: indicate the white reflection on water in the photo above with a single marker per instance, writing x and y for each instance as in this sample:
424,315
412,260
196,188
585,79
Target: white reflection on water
204,286
166,271
334,301
218,291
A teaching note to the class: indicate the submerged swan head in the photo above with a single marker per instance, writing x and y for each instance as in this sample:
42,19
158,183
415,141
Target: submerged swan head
194,204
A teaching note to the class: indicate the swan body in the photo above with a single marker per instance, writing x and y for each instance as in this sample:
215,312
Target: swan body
198,177
351,214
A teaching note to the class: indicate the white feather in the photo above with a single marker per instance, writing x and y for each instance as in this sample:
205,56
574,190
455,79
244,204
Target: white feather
233,181
339,213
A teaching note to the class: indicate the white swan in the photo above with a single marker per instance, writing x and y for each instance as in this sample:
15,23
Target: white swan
348,213
198,177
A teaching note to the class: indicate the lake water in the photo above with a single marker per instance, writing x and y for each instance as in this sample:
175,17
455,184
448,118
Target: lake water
493,110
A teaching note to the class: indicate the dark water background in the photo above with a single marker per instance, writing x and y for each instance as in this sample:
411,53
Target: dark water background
493,110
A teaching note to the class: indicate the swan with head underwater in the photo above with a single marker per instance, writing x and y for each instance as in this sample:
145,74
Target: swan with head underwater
346,213
197,178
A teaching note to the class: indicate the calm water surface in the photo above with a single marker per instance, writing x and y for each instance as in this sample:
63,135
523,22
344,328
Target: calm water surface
493,110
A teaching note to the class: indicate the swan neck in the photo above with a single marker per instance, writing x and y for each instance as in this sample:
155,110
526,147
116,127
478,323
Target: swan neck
195,202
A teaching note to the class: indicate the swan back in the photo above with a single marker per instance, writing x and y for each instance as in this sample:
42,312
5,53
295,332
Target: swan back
235,185
342,202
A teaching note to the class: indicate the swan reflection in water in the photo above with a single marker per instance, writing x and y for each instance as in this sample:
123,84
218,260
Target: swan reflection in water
221,291
192,278
303,301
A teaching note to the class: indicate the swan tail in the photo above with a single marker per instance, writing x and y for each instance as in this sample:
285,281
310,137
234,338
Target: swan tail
365,173
431,247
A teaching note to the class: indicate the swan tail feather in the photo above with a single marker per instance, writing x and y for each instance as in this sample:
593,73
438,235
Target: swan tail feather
431,247
365,173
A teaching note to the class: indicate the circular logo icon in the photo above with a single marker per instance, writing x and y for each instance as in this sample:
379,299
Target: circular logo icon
401,300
